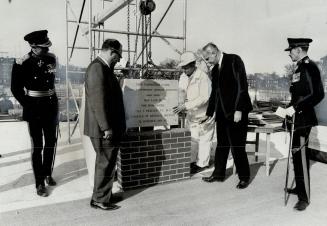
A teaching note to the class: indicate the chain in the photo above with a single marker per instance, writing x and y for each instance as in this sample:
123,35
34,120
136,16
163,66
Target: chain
146,39
150,37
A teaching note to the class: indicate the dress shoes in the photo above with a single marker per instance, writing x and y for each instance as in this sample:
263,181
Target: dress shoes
242,184
197,169
213,179
116,198
291,191
301,205
103,206
50,181
41,191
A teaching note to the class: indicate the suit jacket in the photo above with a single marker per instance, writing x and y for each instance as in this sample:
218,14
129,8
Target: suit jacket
306,92
104,106
229,88
35,73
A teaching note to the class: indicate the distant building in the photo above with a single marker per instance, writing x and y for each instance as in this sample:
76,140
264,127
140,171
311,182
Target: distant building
268,86
323,68
5,70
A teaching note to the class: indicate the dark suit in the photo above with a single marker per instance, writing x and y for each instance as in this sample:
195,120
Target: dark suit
104,110
230,94
37,74
306,92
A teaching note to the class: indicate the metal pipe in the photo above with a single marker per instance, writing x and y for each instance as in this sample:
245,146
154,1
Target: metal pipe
184,24
77,29
78,72
109,13
134,33
81,47
170,45
142,65
75,21
67,65
136,69
164,15
90,29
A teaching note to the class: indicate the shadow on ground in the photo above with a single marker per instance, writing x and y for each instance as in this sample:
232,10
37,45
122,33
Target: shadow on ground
63,174
62,151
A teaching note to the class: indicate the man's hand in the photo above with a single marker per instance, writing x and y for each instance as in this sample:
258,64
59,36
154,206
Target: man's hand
107,134
290,111
204,119
179,108
237,116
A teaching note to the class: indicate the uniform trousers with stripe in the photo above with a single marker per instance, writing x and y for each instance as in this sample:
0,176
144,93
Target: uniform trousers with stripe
301,163
43,134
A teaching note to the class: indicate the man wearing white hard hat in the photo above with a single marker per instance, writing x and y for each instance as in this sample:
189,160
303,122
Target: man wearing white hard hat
197,88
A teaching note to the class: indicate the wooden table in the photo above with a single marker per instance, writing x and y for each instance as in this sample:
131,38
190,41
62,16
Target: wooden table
268,128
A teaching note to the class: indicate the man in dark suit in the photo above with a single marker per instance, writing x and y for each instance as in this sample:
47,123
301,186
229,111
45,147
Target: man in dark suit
231,102
104,120
32,84
306,92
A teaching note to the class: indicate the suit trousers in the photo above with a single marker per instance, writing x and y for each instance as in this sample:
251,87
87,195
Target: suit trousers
231,136
301,163
105,164
43,164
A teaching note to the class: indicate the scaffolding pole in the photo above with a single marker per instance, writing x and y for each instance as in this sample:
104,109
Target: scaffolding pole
96,24
135,33
184,24
90,30
67,65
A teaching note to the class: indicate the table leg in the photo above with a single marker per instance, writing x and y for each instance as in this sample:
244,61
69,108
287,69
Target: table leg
257,135
267,153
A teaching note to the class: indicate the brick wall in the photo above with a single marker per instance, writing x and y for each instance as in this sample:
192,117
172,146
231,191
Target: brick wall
154,157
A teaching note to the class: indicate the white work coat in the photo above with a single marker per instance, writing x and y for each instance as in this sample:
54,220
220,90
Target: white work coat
197,89
194,93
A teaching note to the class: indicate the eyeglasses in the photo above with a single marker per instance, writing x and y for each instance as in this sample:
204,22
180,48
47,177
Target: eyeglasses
116,51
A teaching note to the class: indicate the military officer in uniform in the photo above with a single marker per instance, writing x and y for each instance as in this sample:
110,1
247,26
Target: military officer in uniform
32,84
306,92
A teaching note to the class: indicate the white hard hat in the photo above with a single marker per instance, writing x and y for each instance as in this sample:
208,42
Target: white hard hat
186,58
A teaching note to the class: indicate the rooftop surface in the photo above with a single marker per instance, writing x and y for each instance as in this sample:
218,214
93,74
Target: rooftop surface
188,202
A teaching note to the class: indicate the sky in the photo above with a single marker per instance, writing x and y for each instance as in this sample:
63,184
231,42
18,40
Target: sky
257,30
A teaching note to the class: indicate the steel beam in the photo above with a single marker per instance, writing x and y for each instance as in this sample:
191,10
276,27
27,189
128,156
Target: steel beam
106,14
135,33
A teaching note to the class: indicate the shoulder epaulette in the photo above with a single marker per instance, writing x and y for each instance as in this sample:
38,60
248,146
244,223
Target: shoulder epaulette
51,55
22,59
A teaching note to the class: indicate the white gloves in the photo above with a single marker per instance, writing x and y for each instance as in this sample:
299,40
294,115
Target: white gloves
282,112
290,111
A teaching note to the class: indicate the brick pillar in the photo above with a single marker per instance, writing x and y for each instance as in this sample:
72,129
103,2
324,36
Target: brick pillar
154,157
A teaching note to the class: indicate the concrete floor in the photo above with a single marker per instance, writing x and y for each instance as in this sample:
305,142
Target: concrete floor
190,202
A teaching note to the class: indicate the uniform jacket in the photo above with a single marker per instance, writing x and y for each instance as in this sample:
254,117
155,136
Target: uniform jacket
35,73
104,106
229,88
306,92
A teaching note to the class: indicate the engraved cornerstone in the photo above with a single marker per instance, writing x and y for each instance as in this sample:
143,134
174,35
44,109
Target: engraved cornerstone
150,102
